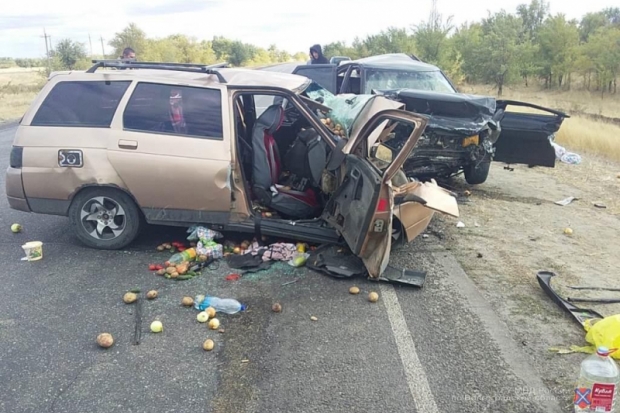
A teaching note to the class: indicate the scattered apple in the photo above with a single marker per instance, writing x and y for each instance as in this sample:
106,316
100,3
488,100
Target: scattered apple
157,327
354,290
129,298
276,308
373,297
214,324
208,345
151,295
105,340
187,301
16,228
202,317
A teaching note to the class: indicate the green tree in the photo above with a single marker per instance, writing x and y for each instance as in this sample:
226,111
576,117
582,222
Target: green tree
468,41
559,40
532,16
392,40
603,51
69,53
431,37
131,36
499,50
590,23
300,57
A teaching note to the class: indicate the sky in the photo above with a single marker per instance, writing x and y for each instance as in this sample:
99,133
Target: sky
291,25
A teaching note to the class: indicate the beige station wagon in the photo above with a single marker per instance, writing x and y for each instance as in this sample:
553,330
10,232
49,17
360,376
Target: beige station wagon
127,143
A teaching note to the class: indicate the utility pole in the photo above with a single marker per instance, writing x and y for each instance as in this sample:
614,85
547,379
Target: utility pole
91,46
47,52
102,48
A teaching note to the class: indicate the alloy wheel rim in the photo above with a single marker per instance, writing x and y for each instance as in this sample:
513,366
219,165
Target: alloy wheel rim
103,218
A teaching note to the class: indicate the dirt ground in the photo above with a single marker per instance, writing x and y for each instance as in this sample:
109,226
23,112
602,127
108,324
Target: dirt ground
513,228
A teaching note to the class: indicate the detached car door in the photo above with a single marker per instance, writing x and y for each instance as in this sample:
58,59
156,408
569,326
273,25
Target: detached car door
525,137
324,75
173,153
361,207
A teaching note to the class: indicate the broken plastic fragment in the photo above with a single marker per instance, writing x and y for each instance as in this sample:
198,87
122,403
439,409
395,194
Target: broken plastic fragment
460,225
566,201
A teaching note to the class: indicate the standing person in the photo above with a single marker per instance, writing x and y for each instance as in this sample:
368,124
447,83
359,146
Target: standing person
128,54
316,55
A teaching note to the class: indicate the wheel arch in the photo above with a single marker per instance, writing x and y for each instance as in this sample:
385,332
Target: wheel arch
87,187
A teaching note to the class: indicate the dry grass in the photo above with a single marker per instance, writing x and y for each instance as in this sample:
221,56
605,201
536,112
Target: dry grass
573,101
18,87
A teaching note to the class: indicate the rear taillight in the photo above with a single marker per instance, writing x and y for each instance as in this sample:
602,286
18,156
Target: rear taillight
16,157
383,205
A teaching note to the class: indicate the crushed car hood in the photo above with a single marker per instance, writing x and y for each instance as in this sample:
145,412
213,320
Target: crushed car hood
448,112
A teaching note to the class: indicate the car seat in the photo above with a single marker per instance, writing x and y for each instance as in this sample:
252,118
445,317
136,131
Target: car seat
266,168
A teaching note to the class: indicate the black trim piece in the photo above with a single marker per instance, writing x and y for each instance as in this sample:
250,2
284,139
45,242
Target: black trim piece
178,67
312,232
184,216
17,155
49,206
505,103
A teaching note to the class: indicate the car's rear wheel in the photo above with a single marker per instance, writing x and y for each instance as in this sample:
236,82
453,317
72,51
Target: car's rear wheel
478,173
105,218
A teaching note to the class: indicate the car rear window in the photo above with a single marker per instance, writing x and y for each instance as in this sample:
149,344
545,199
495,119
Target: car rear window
84,104
179,110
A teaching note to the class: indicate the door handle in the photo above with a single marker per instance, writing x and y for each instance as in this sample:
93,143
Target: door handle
123,144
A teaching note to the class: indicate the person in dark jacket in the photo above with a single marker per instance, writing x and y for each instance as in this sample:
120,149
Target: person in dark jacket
316,55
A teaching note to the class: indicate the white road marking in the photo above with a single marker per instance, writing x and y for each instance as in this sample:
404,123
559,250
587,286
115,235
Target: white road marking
414,372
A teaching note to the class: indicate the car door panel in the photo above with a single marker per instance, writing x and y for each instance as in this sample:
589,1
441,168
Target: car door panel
361,208
524,137
174,176
323,74
354,202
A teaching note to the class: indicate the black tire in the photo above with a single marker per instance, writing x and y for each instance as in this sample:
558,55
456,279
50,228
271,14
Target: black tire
105,218
477,175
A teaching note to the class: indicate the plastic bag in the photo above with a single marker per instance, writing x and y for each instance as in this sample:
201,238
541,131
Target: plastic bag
299,259
605,332
202,234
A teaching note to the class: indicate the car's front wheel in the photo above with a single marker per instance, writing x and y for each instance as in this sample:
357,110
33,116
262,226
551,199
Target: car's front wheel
477,174
105,218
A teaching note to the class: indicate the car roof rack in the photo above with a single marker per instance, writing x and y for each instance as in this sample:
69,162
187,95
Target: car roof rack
179,67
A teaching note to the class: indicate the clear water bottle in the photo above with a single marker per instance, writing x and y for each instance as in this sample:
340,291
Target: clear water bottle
597,387
221,305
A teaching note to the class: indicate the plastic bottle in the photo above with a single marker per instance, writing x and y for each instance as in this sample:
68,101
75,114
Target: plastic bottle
598,383
185,256
221,305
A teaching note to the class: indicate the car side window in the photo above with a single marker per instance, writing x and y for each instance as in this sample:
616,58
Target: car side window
179,110
81,104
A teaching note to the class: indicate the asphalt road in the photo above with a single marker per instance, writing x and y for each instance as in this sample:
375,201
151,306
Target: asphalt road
436,349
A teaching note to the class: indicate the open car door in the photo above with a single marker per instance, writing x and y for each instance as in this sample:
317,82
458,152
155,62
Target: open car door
361,207
323,74
525,137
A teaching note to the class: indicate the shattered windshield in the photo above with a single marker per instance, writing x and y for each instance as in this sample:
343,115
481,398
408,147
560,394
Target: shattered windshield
393,79
344,109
